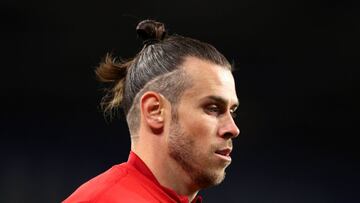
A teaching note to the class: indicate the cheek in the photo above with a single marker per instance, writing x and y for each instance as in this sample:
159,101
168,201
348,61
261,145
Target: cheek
201,127
196,123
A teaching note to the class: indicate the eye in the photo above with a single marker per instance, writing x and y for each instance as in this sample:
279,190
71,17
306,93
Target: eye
233,114
213,109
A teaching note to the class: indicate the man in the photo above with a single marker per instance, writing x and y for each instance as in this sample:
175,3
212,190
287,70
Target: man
179,97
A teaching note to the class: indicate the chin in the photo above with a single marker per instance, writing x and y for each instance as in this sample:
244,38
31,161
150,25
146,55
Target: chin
208,179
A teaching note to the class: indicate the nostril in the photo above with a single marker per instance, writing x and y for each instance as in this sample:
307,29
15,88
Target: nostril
228,135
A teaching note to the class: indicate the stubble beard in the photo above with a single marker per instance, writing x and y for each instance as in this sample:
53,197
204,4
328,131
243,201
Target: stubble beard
182,150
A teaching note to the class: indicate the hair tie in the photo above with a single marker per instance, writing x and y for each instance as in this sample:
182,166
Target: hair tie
150,42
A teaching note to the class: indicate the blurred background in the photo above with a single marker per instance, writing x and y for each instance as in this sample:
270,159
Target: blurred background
297,79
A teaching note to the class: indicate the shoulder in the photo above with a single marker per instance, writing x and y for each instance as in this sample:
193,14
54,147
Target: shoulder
121,183
99,185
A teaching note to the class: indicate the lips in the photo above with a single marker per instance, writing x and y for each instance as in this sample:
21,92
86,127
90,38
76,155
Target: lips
224,153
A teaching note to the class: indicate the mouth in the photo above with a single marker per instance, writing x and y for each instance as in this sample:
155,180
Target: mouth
224,154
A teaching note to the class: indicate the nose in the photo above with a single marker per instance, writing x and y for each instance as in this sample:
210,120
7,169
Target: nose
229,129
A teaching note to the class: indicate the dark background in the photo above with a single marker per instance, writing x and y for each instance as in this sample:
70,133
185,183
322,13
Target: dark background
297,81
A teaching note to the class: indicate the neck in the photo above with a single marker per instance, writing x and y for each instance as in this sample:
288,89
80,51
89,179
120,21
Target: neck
171,175
165,169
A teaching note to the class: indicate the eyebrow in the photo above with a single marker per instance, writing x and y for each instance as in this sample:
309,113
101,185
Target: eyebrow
222,100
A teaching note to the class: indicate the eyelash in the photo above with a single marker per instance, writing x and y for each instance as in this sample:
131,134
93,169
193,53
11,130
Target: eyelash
213,108
233,114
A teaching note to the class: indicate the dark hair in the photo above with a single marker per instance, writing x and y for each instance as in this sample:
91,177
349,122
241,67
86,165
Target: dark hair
156,67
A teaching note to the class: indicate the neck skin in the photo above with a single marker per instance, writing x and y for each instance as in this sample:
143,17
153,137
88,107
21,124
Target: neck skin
152,149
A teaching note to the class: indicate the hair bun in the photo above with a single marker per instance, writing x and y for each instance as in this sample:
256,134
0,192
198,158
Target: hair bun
151,31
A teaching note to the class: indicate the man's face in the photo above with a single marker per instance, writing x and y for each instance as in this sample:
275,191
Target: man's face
201,134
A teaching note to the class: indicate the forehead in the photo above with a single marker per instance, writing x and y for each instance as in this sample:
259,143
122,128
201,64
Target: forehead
209,79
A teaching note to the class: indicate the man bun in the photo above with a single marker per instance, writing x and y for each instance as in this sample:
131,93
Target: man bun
151,31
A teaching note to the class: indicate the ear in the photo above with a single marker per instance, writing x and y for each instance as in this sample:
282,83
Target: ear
152,107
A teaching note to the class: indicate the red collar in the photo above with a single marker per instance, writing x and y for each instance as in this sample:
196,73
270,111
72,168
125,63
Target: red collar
135,161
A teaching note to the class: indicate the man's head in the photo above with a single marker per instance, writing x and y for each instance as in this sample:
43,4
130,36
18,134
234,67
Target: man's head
156,67
183,89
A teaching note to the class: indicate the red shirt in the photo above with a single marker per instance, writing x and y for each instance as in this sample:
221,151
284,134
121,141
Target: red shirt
128,182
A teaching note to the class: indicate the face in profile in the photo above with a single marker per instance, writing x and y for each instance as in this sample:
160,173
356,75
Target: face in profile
201,133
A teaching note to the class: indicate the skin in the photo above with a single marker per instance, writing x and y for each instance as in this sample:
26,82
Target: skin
183,151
